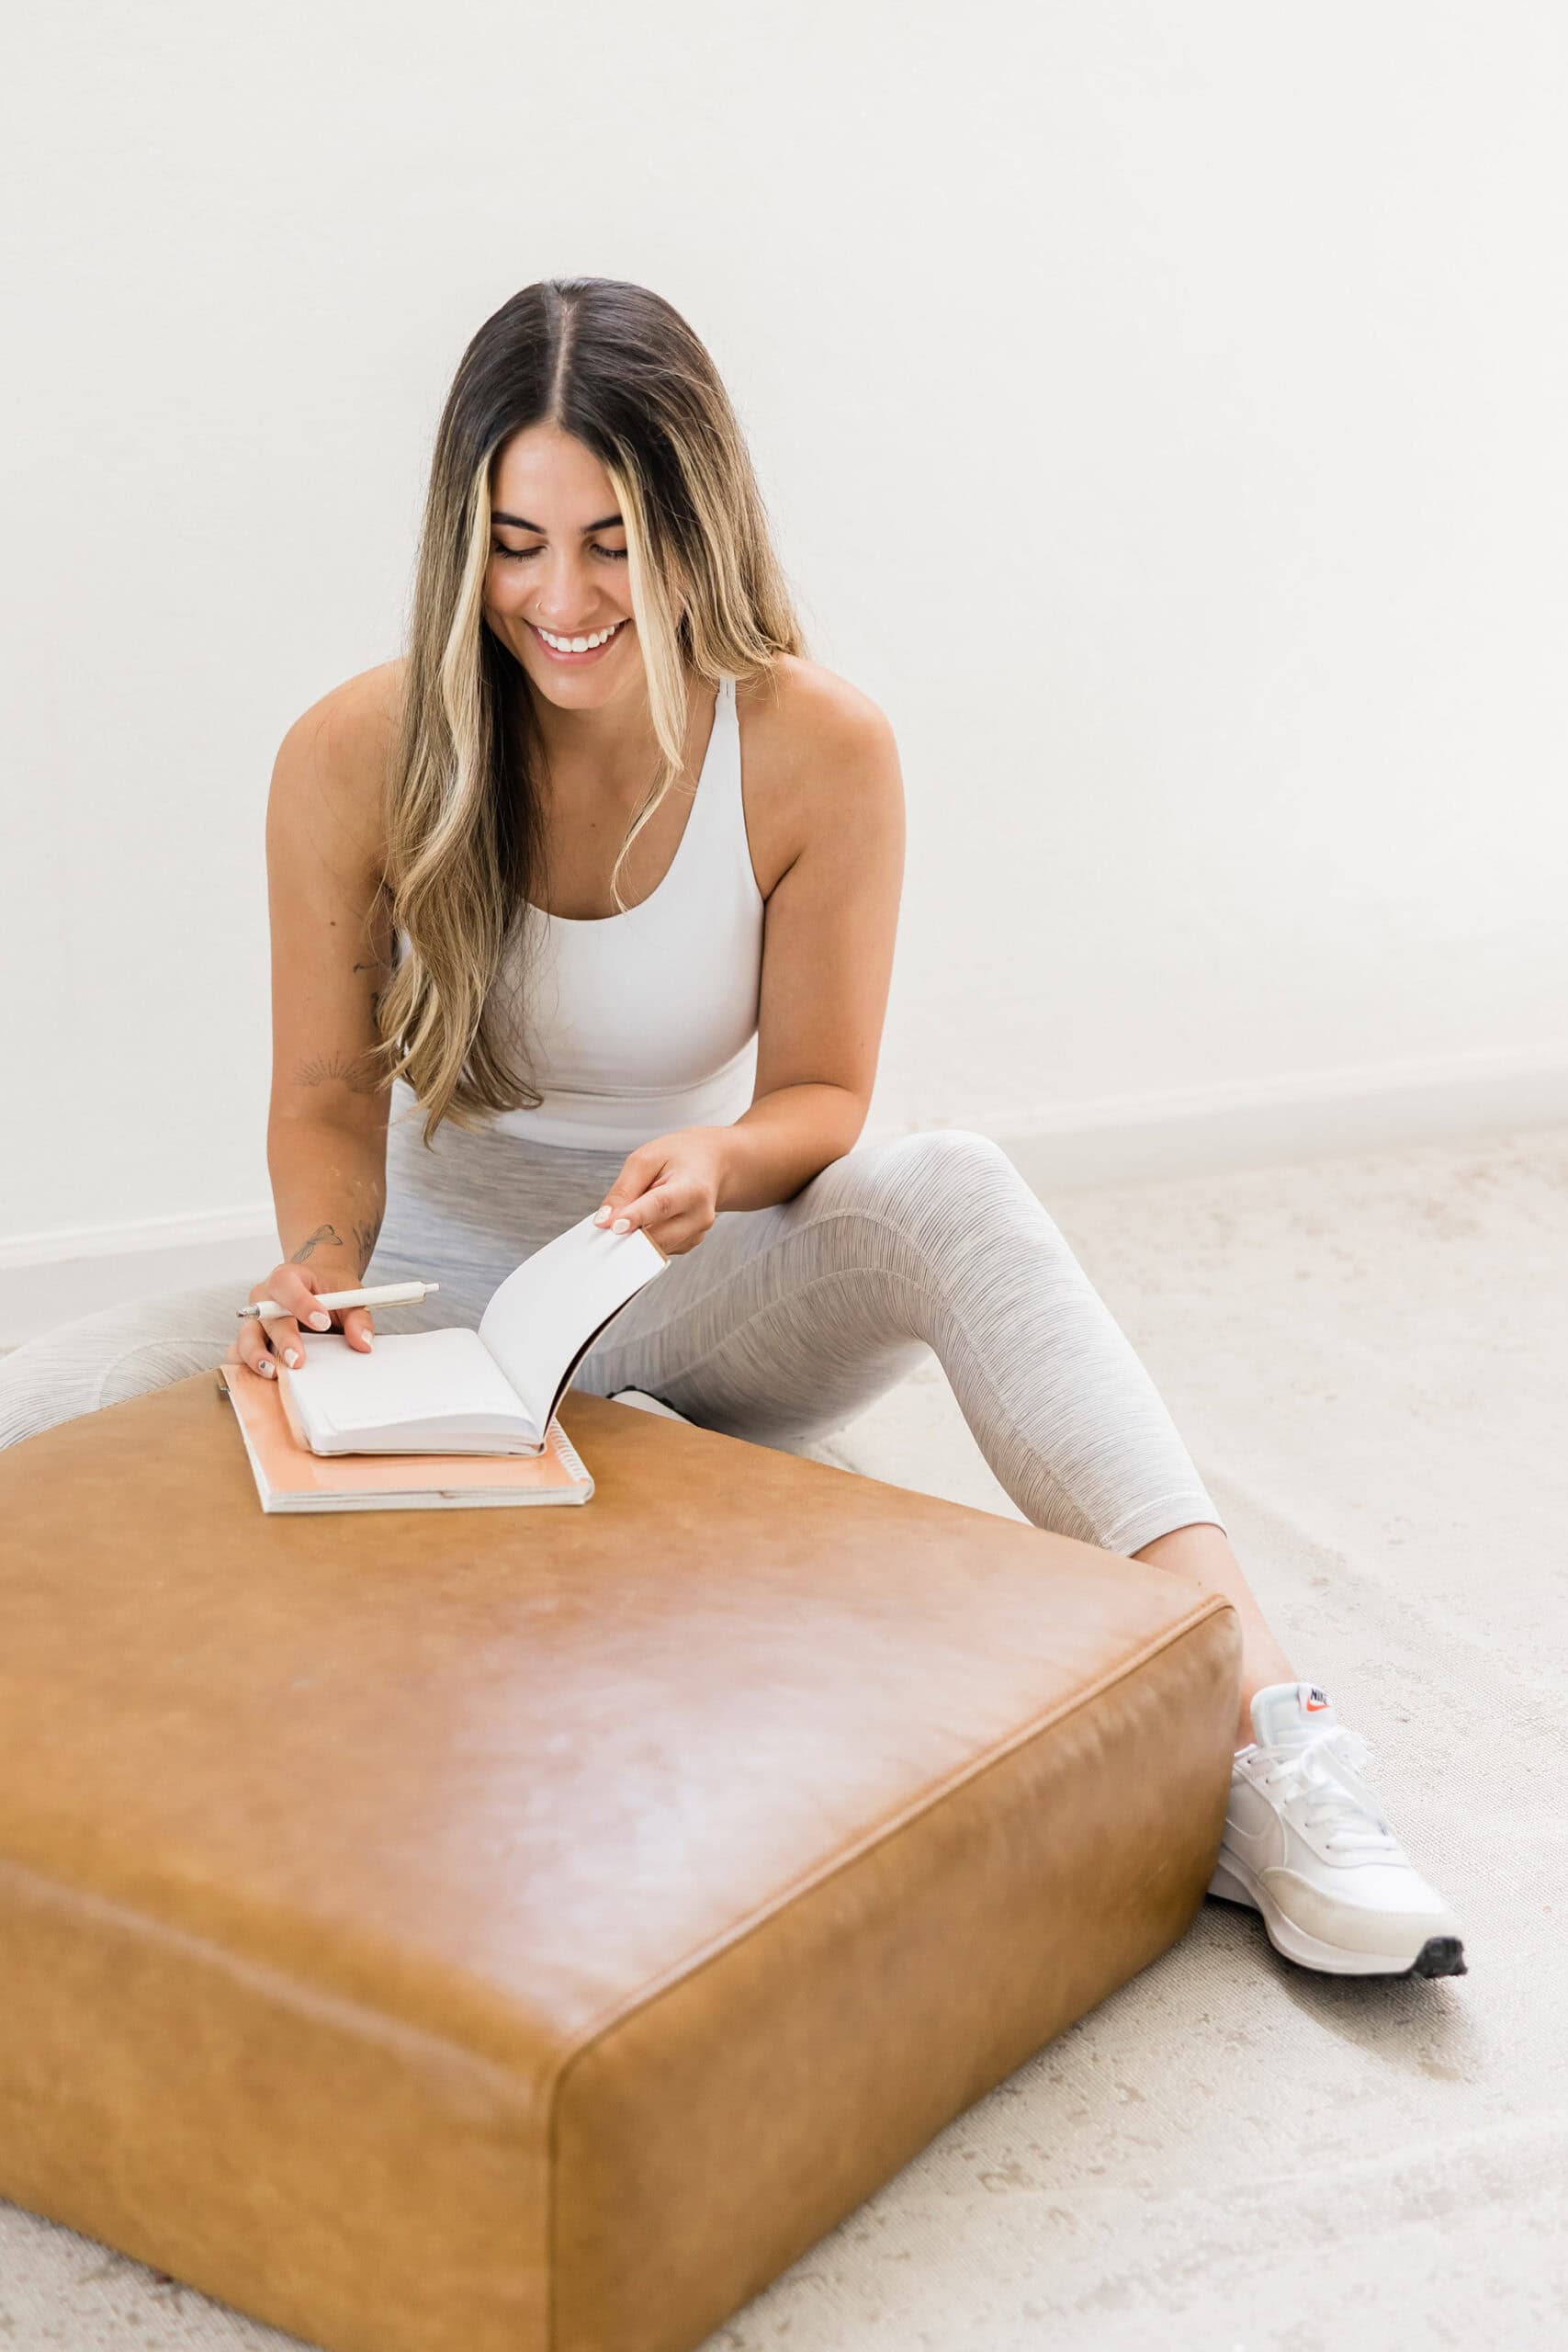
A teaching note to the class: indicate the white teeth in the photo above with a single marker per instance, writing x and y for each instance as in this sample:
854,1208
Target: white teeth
578,644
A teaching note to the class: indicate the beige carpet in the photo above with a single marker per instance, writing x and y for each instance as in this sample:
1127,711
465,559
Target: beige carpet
1231,2155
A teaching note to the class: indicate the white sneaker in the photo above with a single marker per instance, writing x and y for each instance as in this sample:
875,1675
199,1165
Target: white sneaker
650,1404
1306,1844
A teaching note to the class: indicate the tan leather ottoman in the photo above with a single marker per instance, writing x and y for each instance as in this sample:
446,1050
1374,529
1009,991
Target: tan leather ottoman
487,1932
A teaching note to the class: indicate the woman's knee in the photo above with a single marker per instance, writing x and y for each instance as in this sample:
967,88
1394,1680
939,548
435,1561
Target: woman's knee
938,1180
106,1359
946,1155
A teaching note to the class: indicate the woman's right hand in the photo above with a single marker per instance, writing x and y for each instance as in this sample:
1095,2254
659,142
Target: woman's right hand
280,1340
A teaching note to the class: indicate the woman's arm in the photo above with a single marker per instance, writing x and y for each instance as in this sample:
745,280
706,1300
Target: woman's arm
332,949
829,937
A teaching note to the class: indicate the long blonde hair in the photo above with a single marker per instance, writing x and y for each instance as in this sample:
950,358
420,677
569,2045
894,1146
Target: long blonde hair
617,367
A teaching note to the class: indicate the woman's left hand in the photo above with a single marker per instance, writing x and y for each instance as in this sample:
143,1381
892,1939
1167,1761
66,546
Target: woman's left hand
669,1189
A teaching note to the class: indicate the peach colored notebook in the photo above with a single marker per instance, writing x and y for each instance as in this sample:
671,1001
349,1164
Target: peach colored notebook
290,1478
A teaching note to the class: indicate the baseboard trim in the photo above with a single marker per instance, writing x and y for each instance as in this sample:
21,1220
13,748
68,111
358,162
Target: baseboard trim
138,1235
48,1277
108,1265
1211,1131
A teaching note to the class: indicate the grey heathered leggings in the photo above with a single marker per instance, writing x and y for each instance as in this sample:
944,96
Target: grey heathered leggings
780,1324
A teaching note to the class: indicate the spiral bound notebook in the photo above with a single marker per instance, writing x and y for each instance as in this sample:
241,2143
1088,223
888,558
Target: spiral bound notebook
290,1477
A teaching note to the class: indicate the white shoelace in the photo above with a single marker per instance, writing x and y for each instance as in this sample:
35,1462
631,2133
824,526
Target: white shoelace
1325,1772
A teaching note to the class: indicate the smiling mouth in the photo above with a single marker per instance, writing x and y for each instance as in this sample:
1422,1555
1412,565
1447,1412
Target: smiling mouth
590,641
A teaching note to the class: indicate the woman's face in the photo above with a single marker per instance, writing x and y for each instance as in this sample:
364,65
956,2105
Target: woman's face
557,564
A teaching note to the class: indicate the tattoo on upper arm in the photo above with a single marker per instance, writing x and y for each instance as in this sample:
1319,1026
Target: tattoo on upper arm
343,1069
358,1073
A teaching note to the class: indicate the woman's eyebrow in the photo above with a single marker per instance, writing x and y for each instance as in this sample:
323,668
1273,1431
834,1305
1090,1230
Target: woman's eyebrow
521,523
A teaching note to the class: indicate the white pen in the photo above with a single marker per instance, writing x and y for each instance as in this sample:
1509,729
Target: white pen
388,1294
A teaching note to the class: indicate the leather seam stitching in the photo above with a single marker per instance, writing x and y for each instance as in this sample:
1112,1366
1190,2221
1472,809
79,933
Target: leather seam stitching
679,1975
681,1971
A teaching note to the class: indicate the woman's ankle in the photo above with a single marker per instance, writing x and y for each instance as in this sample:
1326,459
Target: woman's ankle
1202,1553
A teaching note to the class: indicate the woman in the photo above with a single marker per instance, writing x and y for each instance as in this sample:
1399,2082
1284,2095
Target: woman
597,889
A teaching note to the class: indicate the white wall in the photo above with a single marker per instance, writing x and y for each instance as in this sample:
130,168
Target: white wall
1162,415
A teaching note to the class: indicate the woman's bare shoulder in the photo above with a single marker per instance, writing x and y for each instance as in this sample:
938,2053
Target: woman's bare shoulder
798,709
807,736
355,722
335,756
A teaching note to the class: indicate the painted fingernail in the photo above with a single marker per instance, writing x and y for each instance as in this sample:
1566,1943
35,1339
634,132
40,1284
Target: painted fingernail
292,1357
622,1225
320,1322
267,1371
601,1217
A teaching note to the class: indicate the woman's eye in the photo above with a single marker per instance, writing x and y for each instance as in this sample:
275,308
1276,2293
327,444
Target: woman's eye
521,555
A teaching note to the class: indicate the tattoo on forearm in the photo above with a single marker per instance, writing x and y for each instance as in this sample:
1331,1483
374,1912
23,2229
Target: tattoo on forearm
365,1236
327,1233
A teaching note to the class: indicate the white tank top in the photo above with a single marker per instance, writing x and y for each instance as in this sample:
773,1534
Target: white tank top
640,1023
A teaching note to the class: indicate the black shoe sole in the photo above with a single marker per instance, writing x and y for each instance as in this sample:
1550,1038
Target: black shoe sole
1439,1956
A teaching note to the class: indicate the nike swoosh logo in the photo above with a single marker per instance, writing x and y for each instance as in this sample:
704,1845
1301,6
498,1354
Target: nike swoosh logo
1251,1844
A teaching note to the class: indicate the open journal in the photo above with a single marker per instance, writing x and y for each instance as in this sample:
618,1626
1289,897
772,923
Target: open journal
491,1391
